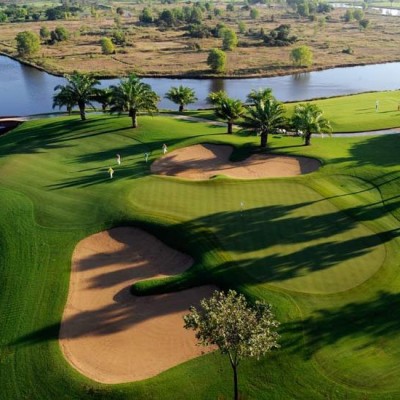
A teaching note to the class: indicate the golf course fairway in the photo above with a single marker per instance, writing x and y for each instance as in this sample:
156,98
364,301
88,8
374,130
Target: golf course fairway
323,248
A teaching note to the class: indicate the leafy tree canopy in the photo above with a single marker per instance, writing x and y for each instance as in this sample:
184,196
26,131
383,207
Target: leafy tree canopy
28,43
279,36
237,328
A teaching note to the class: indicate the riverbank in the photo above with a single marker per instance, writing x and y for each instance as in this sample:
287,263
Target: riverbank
290,71
153,52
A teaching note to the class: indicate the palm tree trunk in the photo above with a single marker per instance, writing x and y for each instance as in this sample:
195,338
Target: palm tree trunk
230,125
82,110
307,139
181,108
264,138
133,115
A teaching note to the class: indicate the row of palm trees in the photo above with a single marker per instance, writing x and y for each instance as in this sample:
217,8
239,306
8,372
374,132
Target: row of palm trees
267,115
264,115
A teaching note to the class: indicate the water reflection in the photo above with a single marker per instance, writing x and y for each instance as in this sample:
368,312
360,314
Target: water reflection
216,85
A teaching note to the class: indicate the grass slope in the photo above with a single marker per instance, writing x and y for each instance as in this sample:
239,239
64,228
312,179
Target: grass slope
322,248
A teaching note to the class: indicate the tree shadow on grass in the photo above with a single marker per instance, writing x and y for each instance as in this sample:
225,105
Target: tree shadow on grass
249,231
380,151
133,165
372,319
54,134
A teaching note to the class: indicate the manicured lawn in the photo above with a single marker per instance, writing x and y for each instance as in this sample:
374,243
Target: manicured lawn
322,248
352,113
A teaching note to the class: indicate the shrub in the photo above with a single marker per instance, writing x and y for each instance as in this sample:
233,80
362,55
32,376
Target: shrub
229,39
28,43
279,37
107,46
217,60
301,56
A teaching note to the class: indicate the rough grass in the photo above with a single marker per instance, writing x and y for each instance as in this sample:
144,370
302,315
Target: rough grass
342,345
156,51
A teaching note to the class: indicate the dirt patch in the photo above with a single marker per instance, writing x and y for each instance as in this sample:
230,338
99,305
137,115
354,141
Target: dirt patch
203,161
114,337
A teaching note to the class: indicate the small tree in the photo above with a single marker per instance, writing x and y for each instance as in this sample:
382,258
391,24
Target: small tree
133,95
229,39
217,60
146,16
256,96
28,43
364,23
239,329
44,33
301,56
229,110
254,13
216,98
266,116
348,15
79,90
309,118
62,33
181,95
358,14
107,46
242,27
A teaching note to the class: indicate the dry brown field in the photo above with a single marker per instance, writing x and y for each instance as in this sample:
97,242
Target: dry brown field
153,51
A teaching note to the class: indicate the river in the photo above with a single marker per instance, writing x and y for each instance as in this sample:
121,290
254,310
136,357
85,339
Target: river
27,91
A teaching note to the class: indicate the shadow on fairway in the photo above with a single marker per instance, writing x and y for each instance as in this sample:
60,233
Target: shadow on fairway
54,134
372,319
380,151
133,165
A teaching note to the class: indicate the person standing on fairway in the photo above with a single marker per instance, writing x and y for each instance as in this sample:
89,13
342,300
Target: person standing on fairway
164,148
146,157
118,159
111,172
376,105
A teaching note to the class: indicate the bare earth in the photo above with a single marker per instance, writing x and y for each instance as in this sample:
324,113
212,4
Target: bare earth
203,161
108,334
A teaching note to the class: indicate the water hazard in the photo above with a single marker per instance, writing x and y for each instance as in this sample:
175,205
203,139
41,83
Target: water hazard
26,91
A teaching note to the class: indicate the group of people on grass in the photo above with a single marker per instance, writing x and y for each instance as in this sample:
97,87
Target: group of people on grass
146,158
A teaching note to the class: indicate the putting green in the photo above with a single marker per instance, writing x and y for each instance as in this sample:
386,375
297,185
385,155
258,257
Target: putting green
281,233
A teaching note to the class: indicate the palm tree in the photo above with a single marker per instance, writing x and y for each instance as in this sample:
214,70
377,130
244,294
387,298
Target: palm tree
103,96
265,117
257,95
216,97
309,118
64,99
133,95
181,95
78,91
229,110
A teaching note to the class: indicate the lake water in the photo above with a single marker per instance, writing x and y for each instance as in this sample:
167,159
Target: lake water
383,11
26,91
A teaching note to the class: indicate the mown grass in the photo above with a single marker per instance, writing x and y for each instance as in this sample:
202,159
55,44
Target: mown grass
322,248
353,113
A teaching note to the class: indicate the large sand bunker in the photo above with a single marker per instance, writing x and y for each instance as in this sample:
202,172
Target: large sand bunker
112,336
203,161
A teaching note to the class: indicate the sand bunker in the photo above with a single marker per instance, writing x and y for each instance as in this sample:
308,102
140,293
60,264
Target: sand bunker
112,336
203,161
